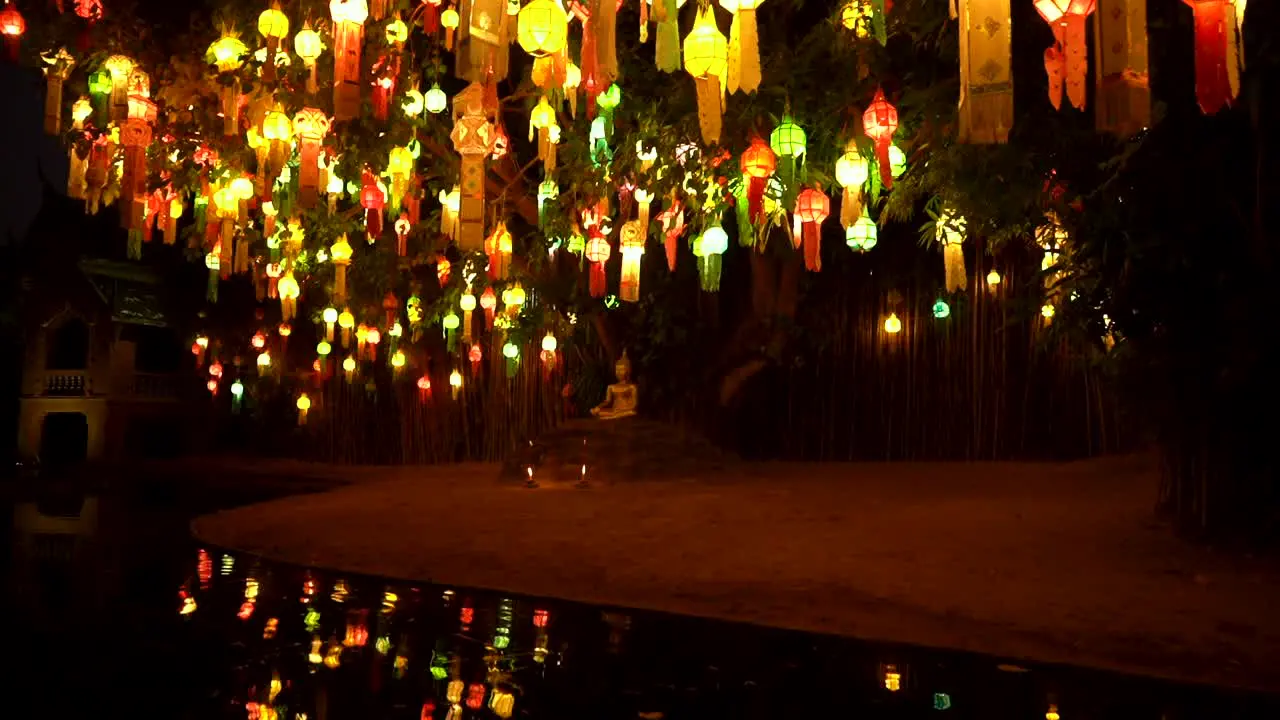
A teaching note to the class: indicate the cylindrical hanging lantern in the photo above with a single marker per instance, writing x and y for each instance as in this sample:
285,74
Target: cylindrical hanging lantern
986,75
310,126
1217,53
744,46
348,37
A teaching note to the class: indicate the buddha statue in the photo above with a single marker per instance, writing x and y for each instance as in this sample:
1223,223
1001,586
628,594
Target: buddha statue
620,398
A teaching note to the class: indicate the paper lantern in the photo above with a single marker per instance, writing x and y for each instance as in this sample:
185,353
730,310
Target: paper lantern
424,388
744,46
852,172
758,164
1217,52
449,21
273,25
288,290
666,46
497,248
1124,95
12,26
706,58
631,246
986,79
880,122
120,68
993,280
549,347
135,136
310,125
489,302
399,167
893,326
1067,60
709,248
307,45
340,253
542,28
812,207
863,234
396,32
789,142
455,383
435,100
949,232
541,119
372,198
348,37
502,703
941,310
472,136
304,404
597,253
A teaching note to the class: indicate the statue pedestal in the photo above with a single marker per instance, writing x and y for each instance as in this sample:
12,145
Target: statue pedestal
629,449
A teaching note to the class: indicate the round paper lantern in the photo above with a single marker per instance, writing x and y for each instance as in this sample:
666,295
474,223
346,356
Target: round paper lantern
353,11
549,343
813,206
893,326
397,32
941,309
598,249
276,126
542,28
862,235
273,24
12,23
227,53
436,100
880,122
852,169
788,139
307,45
511,350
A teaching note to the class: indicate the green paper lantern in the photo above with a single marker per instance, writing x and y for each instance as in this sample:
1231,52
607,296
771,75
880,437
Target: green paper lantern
941,309
100,83
788,139
897,161
610,98
862,235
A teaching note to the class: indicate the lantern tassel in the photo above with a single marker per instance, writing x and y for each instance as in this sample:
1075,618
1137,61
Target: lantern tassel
1213,77
667,43
598,283
812,246
710,110
850,207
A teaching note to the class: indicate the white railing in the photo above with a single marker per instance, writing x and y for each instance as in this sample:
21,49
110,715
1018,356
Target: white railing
65,383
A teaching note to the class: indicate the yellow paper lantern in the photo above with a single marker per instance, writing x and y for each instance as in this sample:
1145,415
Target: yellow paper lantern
542,28
227,53
414,102
397,32
307,45
276,126
273,24
706,58
893,326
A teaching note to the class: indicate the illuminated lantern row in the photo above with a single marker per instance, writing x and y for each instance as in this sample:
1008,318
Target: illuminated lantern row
986,75
949,233
1217,24
706,58
1067,61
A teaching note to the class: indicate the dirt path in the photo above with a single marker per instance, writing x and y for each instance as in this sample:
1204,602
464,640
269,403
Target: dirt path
1057,563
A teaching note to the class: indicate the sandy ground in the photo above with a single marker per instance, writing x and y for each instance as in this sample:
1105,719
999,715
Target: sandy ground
1051,563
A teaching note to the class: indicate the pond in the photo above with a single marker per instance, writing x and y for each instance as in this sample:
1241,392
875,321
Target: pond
118,613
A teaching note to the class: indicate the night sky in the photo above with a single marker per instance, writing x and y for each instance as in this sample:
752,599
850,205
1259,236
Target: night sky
28,158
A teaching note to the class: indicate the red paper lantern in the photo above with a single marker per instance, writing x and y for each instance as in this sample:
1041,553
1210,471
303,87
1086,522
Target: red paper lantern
1215,24
758,163
812,207
373,199
880,122
597,252
475,696
12,26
